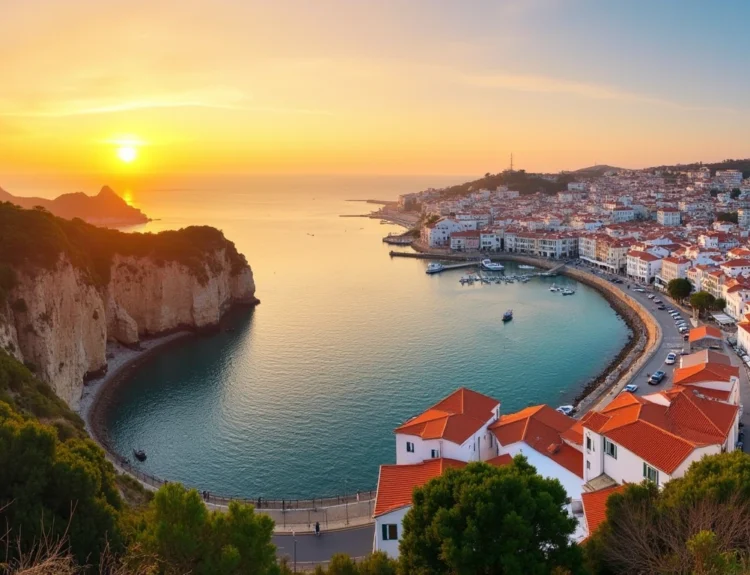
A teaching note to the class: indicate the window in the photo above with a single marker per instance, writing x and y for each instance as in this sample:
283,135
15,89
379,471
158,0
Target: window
390,532
610,448
435,453
588,443
409,447
650,473
588,464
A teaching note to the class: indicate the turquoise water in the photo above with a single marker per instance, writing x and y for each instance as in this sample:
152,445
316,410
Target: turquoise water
302,397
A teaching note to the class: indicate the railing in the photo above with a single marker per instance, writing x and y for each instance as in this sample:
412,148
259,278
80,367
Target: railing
259,502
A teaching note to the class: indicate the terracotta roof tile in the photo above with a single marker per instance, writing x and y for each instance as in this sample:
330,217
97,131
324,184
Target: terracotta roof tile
595,506
699,333
455,418
705,372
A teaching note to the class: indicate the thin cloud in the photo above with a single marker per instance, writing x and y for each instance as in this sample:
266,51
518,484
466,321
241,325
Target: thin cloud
546,84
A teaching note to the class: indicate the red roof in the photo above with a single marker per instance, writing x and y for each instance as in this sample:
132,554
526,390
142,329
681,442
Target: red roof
704,331
663,435
595,506
703,372
541,428
455,418
396,483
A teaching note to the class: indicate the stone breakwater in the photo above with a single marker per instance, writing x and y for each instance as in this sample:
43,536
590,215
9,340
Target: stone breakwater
59,324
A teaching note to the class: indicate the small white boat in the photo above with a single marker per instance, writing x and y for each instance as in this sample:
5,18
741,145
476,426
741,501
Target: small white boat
525,267
553,287
434,268
488,264
567,291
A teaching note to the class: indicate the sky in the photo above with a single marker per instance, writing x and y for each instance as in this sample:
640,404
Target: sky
370,87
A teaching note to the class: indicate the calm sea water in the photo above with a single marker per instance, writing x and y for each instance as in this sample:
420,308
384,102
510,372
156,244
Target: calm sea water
302,397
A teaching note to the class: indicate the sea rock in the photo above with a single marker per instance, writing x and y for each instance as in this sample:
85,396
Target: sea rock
58,323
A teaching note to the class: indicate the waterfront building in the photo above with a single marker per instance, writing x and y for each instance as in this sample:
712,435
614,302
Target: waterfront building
643,266
438,234
543,245
465,241
673,268
710,374
668,217
656,437
491,240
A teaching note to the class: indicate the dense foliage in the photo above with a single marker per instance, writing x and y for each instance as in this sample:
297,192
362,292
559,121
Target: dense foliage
36,238
679,288
732,217
702,301
516,180
377,563
55,489
696,524
487,519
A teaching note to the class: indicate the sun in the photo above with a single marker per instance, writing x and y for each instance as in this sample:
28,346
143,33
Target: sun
127,154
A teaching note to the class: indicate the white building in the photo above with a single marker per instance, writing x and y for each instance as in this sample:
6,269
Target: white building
674,268
643,266
743,218
736,267
655,437
438,234
668,217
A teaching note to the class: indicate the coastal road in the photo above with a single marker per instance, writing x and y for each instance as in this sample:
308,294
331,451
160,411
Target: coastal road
355,542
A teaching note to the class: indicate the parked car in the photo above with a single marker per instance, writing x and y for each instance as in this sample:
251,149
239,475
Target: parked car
656,377
565,409
657,300
651,296
630,388
684,330
671,358
660,307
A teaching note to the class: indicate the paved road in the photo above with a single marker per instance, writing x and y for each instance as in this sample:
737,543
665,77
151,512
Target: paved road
355,542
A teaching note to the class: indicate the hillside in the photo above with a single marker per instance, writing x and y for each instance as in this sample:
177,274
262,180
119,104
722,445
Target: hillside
594,171
105,209
519,180
739,164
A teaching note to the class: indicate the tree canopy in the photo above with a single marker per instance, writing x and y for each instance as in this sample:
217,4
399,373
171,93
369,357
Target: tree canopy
486,519
702,301
679,288
695,524
732,217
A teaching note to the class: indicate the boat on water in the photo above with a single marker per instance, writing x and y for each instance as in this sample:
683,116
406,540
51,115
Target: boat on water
139,454
567,291
553,287
434,268
508,315
489,265
525,267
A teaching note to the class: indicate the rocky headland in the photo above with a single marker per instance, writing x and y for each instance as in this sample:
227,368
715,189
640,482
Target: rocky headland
67,288
104,209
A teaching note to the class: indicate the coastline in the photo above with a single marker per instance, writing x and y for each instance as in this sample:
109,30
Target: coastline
98,393
645,331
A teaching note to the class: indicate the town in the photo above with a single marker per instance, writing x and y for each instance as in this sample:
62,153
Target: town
651,227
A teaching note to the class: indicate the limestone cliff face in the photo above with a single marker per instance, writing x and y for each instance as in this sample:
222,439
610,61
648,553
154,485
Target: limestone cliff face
60,323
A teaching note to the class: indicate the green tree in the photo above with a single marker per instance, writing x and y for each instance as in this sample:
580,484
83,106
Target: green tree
732,217
485,519
695,524
181,536
735,193
53,489
719,304
377,563
702,301
679,288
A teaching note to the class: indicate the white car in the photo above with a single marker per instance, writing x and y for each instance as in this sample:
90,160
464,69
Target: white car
651,296
565,409
671,358
683,329
631,388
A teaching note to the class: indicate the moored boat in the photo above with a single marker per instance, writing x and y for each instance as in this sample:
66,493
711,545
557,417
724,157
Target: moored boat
508,315
139,454
568,291
434,268
525,267
488,264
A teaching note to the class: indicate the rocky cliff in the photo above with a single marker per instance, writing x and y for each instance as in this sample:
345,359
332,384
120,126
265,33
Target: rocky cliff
64,298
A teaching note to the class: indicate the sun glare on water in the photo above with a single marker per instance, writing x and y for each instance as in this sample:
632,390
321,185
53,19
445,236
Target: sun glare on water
127,154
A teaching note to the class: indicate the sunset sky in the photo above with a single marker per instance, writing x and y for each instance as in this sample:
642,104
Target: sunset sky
386,86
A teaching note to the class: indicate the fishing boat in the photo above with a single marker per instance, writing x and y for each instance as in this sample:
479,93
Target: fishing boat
508,315
139,454
434,268
489,265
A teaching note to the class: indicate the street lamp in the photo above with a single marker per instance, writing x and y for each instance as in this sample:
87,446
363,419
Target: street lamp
294,538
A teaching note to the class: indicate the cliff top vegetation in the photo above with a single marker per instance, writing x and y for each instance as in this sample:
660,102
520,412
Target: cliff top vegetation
36,239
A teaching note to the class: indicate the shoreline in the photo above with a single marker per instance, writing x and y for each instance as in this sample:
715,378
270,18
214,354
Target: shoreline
98,393
645,332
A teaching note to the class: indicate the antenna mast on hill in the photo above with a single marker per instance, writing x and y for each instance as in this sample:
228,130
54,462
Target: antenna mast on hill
511,162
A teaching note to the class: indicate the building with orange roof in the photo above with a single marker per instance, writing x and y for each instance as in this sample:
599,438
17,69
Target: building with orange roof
643,266
455,427
595,507
655,437
743,331
705,336
710,373
396,484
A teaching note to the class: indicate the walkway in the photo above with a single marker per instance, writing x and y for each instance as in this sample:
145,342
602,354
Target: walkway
312,550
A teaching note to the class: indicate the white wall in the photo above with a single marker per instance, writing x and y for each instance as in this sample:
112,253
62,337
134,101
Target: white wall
546,467
397,517
422,448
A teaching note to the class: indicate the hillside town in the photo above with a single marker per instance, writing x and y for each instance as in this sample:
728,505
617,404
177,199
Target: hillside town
650,226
